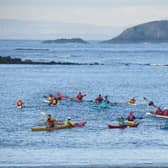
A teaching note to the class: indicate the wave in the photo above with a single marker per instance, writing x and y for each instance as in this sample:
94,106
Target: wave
141,64
137,51
159,64
32,49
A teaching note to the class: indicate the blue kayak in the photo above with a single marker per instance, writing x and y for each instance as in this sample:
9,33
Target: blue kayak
100,106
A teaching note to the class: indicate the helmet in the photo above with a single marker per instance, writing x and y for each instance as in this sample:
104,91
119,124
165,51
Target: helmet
69,118
130,112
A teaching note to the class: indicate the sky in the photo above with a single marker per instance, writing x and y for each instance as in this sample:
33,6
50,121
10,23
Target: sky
88,19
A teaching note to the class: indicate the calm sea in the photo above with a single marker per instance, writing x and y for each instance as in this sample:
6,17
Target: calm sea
124,71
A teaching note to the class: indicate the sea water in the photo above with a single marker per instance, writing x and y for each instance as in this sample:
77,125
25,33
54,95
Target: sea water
123,71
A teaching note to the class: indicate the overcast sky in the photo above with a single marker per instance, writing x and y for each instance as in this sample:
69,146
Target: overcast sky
112,16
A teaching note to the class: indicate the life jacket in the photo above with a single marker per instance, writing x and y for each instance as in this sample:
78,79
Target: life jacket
131,118
79,96
69,123
99,99
51,123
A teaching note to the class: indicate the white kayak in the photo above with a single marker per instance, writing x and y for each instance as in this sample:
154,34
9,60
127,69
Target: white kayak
151,114
45,101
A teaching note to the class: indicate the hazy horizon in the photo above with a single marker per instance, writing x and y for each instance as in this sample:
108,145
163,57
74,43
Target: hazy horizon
90,20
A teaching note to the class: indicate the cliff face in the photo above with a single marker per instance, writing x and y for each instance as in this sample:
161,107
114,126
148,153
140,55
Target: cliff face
156,31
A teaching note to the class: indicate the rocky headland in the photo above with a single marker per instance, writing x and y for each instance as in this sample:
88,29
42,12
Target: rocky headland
153,32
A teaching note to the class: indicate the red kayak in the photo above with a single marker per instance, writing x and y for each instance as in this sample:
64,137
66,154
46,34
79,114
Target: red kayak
123,126
80,124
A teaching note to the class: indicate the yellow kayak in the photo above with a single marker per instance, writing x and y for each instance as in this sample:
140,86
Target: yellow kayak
80,124
50,129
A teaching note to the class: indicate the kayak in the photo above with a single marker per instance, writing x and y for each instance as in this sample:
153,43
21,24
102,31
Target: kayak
151,114
104,105
131,103
100,106
57,122
80,124
76,100
45,101
19,107
123,126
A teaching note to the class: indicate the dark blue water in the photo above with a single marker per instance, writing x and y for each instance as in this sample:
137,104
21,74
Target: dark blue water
128,70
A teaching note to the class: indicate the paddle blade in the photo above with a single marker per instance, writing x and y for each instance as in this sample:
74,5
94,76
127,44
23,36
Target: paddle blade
43,113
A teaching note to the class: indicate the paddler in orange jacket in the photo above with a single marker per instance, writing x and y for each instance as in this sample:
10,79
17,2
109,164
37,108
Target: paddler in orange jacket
19,103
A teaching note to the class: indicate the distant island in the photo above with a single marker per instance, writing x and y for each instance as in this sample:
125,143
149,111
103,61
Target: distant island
154,32
9,60
63,41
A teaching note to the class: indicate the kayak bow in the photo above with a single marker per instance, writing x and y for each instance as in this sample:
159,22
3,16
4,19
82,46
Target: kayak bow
156,115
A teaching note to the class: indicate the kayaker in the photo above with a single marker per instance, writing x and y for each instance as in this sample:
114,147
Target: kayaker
132,101
59,96
121,121
99,99
19,103
150,103
106,99
49,98
54,101
159,111
131,118
165,112
50,121
80,96
69,122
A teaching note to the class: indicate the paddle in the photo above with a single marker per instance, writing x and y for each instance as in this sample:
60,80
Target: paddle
43,113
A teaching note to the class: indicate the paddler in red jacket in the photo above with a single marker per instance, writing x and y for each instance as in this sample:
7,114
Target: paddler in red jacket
80,96
50,121
99,99
131,118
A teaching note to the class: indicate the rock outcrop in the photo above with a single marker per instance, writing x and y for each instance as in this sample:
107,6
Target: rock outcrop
9,60
63,41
